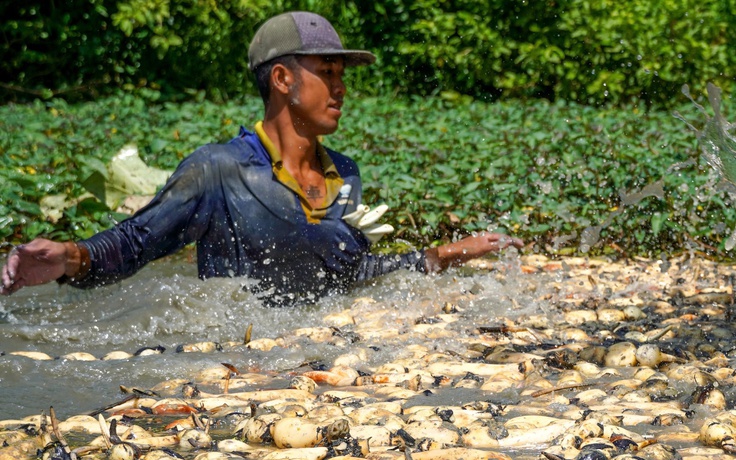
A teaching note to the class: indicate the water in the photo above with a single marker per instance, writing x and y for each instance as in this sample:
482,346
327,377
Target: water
718,146
167,305
716,142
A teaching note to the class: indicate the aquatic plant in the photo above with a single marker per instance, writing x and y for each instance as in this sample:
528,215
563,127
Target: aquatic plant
567,177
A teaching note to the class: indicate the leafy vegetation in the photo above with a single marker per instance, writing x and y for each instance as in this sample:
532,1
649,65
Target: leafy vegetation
568,177
587,51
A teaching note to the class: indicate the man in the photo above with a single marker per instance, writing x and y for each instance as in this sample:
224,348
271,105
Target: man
271,205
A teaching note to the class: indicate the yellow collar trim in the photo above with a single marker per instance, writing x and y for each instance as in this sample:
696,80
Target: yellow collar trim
333,181
266,141
328,166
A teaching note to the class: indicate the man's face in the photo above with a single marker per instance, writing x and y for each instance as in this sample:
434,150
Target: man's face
317,94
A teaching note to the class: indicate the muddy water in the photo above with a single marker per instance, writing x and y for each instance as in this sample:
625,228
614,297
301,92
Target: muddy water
166,305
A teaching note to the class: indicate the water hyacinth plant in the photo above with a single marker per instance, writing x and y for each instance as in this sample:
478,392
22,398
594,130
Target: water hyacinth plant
571,179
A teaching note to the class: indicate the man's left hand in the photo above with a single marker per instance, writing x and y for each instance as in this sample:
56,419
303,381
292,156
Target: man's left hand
468,248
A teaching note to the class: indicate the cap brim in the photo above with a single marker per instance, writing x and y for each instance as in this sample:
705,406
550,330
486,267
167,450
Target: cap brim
352,57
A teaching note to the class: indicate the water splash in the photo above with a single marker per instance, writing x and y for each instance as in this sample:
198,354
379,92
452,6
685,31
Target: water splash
592,235
716,142
718,147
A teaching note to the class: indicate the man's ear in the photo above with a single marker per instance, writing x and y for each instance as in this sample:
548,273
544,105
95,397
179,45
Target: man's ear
281,78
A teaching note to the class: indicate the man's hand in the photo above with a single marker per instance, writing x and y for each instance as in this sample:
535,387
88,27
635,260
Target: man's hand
39,262
472,247
366,221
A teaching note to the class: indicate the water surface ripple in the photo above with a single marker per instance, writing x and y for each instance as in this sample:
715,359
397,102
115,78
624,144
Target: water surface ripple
166,305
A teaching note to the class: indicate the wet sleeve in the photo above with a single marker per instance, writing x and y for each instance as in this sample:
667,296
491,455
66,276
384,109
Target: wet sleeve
374,265
176,216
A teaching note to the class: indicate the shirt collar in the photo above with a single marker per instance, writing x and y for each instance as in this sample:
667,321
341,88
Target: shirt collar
328,166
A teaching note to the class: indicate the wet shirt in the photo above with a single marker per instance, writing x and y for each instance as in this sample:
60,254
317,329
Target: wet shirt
247,220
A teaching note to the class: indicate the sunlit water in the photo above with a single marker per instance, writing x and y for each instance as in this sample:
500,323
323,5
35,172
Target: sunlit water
167,305
717,145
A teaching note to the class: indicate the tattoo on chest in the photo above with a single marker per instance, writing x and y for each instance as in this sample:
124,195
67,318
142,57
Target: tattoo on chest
313,192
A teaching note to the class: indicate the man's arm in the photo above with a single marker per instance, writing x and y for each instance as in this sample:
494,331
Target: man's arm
42,261
437,259
452,254
175,217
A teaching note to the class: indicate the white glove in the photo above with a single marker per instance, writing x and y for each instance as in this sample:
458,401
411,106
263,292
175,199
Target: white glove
365,220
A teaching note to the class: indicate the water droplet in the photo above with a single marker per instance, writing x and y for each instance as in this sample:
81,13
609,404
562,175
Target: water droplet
545,187
342,246
731,241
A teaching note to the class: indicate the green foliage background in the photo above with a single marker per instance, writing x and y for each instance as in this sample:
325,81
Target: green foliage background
587,51
550,173
581,119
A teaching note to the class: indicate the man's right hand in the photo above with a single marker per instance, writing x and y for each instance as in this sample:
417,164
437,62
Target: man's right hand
39,262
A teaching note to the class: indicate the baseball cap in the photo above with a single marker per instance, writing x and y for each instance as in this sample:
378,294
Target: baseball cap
303,33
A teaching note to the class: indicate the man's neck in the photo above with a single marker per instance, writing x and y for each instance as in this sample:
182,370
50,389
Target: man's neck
298,152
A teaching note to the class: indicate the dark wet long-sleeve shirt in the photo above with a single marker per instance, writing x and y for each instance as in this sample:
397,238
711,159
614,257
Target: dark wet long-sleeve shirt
232,200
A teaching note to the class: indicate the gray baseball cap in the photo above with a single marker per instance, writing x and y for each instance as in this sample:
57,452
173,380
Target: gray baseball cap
302,33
